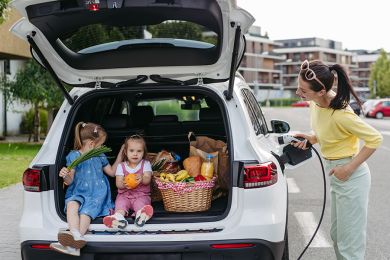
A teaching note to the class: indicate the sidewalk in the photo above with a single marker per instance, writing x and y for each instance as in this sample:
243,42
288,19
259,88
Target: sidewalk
11,204
17,139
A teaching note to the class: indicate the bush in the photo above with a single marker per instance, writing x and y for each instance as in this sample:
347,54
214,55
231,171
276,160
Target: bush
27,124
280,102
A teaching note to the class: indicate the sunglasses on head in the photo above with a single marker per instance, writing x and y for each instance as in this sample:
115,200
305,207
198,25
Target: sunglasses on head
309,73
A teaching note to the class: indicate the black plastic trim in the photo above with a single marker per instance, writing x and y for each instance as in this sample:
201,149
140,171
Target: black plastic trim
233,65
188,250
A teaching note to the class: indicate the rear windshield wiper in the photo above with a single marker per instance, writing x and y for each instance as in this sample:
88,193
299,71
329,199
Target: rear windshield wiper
130,82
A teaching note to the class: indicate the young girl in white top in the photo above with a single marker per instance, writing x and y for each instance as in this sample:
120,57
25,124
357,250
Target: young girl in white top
136,199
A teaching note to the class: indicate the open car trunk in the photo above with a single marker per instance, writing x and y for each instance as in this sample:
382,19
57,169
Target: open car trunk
163,115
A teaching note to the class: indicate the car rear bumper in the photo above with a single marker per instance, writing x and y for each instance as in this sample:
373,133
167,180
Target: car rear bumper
260,249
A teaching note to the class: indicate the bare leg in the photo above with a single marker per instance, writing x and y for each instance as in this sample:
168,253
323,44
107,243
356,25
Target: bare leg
85,221
72,214
121,211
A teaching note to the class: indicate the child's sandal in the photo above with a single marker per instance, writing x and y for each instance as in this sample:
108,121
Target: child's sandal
143,215
66,238
113,222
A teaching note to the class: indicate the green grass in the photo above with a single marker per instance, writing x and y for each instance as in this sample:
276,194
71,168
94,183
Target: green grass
14,159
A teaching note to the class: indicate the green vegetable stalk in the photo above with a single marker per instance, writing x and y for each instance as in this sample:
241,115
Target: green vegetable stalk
88,155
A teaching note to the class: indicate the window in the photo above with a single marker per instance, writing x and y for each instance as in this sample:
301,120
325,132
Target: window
172,107
255,113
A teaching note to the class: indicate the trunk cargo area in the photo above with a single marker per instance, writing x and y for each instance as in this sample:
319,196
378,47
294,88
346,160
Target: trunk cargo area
163,117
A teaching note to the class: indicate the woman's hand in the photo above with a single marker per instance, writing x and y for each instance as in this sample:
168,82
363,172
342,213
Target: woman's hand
303,144
342,172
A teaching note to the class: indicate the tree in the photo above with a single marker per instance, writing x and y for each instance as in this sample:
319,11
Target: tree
33,85
379,82
180,30
3,9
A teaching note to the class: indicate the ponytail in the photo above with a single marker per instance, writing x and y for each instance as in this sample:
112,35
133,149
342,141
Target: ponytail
84,131
77,140
344,89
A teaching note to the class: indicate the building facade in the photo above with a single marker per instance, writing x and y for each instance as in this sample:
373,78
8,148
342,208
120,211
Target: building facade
258,65
13,54
295,51
360,75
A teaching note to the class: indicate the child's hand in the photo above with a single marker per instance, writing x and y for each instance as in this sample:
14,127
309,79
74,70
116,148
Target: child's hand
120,153
64,172
139,178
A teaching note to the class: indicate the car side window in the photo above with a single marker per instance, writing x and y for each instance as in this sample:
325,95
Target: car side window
255,113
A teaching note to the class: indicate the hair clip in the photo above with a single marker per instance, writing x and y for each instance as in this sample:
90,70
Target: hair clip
83,125
95,130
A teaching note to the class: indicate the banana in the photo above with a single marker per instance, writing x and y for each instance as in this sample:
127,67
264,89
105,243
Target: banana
181,175
170,177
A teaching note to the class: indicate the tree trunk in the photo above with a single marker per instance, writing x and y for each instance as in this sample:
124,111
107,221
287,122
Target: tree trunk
51,116
37,122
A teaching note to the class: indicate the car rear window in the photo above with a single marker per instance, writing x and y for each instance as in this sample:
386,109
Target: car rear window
173,33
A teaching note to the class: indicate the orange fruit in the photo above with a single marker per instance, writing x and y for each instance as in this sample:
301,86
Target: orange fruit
131,181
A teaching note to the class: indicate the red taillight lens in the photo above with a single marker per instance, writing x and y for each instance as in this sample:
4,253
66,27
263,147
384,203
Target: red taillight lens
232,246
93,5
32,180
41,246
261,175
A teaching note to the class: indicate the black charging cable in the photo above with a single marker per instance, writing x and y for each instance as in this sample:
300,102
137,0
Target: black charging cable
323,204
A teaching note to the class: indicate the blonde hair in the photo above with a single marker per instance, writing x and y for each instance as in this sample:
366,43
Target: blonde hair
85,131
135,138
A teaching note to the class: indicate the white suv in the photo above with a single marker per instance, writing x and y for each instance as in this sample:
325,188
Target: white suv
131,75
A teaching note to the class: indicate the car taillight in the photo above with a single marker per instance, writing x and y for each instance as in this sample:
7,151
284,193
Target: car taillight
32,180
41,246
260,175
232,246
93,5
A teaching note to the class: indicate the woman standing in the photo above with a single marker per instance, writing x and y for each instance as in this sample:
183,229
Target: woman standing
337,130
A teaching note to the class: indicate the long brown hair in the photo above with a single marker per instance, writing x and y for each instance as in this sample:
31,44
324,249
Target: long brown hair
134,138
84,131
325,74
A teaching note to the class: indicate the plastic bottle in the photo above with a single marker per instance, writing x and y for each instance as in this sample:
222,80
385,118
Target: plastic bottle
207,169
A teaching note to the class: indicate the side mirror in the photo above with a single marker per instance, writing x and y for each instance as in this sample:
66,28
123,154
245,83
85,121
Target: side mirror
280,127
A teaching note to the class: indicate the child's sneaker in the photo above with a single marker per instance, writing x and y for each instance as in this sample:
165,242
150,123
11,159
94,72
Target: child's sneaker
143,215
65,249
67,239
115,221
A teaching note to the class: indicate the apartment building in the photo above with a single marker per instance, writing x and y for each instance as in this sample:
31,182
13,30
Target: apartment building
258,65
360,75
13,54
295,51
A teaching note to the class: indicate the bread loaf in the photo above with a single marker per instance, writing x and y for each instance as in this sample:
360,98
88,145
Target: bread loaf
192,165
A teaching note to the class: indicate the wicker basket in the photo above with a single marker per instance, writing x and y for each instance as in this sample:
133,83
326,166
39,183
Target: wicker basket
186,197
155,193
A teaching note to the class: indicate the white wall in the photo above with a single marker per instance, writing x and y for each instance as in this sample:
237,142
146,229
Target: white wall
15,110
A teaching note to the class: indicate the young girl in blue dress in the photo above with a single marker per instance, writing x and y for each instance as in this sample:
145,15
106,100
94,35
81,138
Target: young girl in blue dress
88,195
